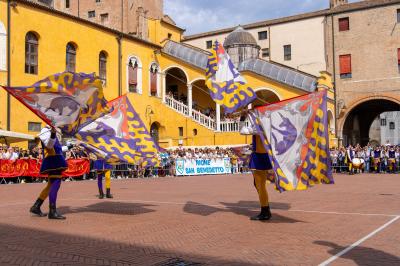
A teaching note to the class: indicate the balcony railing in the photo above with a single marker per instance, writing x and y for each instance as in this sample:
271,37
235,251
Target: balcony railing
231,126
177,105
203,119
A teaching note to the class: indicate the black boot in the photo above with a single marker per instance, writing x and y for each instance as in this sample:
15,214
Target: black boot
53,214
101,194
264,215
108,194
35,209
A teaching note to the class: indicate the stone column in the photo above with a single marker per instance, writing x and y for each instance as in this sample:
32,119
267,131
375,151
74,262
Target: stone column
218,116
189,98
164,86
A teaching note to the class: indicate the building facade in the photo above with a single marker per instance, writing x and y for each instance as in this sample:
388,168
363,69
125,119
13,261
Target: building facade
358,43
128,16
163,78
296,41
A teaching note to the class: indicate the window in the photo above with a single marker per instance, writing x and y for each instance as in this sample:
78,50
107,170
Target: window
345,66
208,44
34,126
66,3
194,132
46,2
398,58
265,52
262,35
383,122
3,47
104,17
31,53
70,60
91,14
287,52
344,24
133,75
103,66
169,35
398,15
180,131
154,79
391,125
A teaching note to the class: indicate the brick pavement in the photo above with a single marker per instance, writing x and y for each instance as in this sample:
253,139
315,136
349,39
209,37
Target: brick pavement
203,221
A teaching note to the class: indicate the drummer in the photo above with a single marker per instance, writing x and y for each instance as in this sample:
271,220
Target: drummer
377,159
392,160
350,155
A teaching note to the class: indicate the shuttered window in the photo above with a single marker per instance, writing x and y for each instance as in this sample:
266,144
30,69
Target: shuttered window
345,66
31,53
398,56
153,80
103,67
70,57
344,24
132,75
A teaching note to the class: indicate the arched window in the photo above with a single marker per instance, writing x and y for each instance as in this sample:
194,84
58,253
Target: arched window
134,74
70,57
31,53
103,66
3,47
154,80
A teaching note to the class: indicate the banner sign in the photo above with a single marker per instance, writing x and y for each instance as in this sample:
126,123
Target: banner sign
203,166
31,168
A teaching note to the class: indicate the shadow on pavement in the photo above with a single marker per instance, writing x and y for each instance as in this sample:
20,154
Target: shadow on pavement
29,246
362,255
245,208
111,207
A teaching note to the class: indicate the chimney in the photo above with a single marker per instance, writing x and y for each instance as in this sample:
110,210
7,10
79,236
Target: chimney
336,3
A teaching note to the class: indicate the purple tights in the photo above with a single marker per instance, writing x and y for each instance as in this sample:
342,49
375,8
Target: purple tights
100,181
55,186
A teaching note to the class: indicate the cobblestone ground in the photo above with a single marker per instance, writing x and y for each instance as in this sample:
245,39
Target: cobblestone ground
204,220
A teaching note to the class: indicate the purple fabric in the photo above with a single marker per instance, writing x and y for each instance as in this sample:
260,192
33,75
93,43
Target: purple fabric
55,186
100,181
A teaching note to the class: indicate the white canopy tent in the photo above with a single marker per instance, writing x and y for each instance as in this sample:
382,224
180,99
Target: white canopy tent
8,137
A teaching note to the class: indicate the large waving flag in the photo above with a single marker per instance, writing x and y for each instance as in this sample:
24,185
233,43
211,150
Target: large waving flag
295,135
227,87
121,134
65,100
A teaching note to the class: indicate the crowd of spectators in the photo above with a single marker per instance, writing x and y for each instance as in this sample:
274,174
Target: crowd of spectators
376,158
166,158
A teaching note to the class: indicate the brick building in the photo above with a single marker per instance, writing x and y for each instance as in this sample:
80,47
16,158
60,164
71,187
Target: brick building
359,43
128,16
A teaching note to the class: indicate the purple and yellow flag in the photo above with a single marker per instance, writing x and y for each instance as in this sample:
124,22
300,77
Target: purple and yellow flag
227,87
65,100
121,134
295,135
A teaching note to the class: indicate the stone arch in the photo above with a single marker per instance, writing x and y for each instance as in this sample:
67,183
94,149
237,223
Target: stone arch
266,96
155,131
355,125
176,82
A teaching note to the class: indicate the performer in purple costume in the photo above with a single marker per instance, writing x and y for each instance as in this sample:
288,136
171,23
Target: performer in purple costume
103,169
261,168
53,164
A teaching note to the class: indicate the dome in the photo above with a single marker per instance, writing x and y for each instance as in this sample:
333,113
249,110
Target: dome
239,37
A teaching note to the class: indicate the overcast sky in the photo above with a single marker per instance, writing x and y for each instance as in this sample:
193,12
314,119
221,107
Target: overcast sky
204,15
